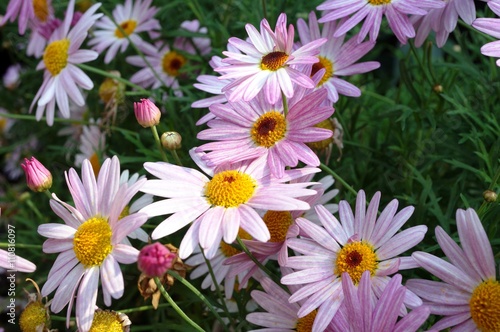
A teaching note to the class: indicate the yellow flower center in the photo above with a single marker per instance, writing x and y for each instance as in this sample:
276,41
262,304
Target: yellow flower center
379,2
323,63
273,61
305,323
55,56
41,9
92,241
278,223
128,27
485,306
230,189
125,212
320,145
172,62
228,250
269,129
106,321
356,258
34,315
96,165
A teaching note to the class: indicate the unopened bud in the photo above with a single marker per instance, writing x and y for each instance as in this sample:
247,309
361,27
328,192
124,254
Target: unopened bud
146,113
490,196
38,178
438,88
155,259
171,140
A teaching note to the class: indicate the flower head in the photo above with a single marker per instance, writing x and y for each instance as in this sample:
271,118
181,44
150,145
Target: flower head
155,260
360,242
38,178
248,130
469,294
268,63
89,241
35,316
147,113
336,57
22,10
132,18
362,314
62,77
110,321
396,12
221,204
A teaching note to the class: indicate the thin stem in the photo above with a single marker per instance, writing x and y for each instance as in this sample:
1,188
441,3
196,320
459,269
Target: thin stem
175,306
176,157
259,264
217,289
118,78
198,294
264,9
338,178
33,207
285,104
158,143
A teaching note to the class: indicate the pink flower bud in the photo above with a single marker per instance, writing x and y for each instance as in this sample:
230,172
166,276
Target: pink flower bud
146,113
155,259
38,178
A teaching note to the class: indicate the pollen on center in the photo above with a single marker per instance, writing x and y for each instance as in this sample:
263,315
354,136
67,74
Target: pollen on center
92,241
323,63
278,223
305,323
273,61
356,258
269,129
230,189
172,62
128,27
55,56
41,10
379,2
485,306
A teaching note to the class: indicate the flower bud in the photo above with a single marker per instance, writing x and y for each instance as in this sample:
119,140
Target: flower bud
490,196
171,140
38,178
155,259
146,113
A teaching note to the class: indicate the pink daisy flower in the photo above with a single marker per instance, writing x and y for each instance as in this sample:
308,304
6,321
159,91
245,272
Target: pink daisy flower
42,26
89,242
133,18
443,20
280,315
12,262
336,57
166,64
61,76
362,312
248,130
361,242
220,205
469,294
396,12
490,26
268,63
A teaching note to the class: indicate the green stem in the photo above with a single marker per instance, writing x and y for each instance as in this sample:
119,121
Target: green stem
158,143
175,306
33,207
217,289
22,245
198,294
118,78
264,9
259,264
176,157
338,178
285,104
